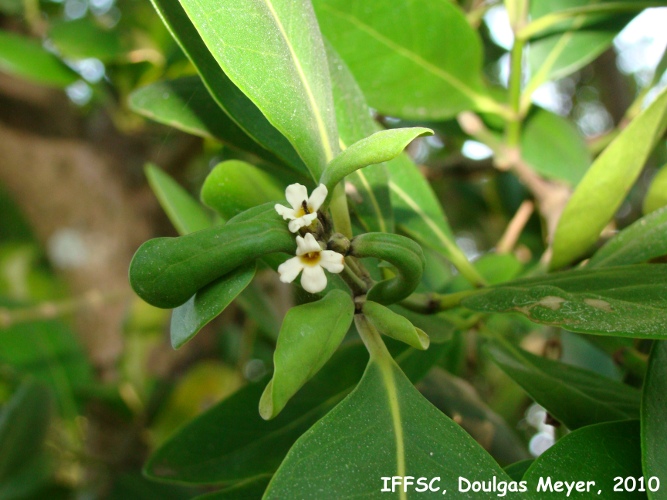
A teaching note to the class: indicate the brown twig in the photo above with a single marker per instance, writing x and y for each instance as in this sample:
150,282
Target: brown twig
515,227
551,196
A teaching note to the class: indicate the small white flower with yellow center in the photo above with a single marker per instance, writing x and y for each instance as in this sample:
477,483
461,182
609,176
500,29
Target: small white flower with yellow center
310,259
304,209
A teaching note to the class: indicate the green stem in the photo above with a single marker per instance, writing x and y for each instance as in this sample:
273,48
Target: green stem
92,299
432,303
513,130
339,211
356,284
371,338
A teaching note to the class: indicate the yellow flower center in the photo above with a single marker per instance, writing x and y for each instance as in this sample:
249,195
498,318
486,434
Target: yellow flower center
310,258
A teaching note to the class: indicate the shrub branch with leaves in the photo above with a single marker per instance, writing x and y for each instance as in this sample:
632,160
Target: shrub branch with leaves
289,80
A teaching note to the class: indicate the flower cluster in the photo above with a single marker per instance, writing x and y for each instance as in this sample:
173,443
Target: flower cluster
311,259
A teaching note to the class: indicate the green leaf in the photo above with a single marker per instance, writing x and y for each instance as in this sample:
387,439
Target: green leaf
656,197
48,351
185,104
395,432
231,442
234,186
247,490
394,325
598,453
309,335
518,469
379,147
572,395
419,215
458,399
371,201
554,147
84,38
207,303
430,45
644,240
273,52
624,301
25,58
183,211
166,272
654,425
567,46
24,422
607,182
224,92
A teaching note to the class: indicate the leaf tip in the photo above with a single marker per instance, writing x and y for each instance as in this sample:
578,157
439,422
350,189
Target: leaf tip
266,407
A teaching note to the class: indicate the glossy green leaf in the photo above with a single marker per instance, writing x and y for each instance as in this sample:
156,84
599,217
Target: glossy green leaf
404,254
419,215
574,396
424,220
607,182
653,423
187,319
166,272
309,336
379,147
83,38
230,442
656,197
183,211
626,300
459,400
185,104
228,96
24,422
644,240
25,58
554,147
396,432
429,45
598,453
370,200
394,325
438,327
234,186
273,51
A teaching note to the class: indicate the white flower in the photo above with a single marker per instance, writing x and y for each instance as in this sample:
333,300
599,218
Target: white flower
310,259
304,209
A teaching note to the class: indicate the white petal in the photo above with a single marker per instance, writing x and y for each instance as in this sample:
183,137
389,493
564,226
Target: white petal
303,221
290,269
307,245
296,194
287,213
332,261
317,198
313,279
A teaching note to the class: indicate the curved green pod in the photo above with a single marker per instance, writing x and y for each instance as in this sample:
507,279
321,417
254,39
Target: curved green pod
404,254
166,272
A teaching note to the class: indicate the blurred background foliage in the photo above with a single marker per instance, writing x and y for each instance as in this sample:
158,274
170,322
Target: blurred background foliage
86,370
